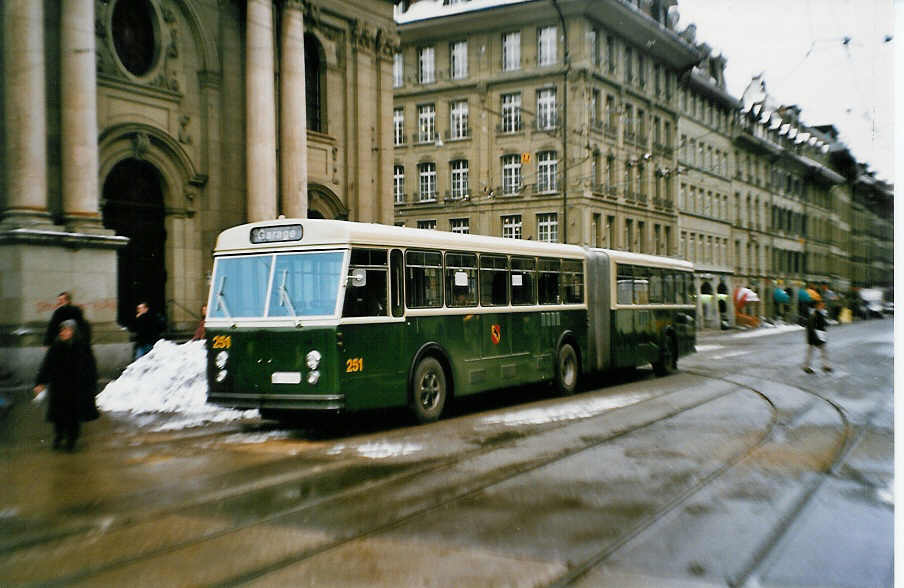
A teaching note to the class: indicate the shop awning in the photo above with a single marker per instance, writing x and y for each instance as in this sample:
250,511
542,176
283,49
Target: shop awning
781,296
808,295
744,295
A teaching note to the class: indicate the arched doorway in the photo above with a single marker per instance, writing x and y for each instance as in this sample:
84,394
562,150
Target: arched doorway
133,207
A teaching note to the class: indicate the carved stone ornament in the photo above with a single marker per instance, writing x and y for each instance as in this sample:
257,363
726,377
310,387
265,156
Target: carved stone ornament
184,136
141,144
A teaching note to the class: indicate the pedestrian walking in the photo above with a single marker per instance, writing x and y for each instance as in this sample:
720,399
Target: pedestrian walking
817,338
69,375
65,310
200,331
146,327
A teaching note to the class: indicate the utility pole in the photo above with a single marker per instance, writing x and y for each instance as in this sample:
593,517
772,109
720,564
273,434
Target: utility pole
567,60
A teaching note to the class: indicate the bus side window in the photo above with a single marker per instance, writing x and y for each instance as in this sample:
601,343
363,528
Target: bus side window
668,287
368,299
548,282
461,279
625,279
424,279
641,284
573,281
524,280
397,275
656,286
493,280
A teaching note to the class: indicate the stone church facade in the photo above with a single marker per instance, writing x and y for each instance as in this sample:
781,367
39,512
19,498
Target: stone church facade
135,131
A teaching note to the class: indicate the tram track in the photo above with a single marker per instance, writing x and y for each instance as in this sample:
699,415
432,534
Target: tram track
761,554
474,486
471,488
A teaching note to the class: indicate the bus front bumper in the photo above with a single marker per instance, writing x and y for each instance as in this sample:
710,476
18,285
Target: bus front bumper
331,402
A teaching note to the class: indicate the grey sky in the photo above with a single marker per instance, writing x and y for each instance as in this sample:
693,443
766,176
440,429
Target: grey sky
800,46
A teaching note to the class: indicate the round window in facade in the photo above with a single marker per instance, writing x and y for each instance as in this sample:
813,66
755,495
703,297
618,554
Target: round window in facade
135,35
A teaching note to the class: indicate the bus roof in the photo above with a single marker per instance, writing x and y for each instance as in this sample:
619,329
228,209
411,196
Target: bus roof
335,233
645,259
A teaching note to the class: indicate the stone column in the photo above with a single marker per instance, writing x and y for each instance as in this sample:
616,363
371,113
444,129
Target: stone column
25,113
78,94
293,113
260,112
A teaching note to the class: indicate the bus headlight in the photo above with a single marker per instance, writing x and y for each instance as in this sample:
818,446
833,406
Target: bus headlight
313,359
220,359
221,375
313,377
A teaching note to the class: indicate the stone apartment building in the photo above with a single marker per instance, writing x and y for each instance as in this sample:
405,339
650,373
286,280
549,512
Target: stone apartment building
597,123
554,121
705,129
136,130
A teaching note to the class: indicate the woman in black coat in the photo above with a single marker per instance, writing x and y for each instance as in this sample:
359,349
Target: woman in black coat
817,324
70,372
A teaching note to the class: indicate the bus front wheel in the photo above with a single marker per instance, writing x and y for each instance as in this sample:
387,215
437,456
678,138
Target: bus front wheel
428,394
567,370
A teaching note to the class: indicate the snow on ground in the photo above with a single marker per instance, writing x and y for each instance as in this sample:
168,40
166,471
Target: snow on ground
379,449
578,409
767,331
169,380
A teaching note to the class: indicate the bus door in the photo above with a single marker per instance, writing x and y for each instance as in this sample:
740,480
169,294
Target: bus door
496,333
645,344
524,330
463,325
369,340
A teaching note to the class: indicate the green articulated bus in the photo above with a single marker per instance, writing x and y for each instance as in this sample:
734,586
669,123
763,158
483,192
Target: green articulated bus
323,315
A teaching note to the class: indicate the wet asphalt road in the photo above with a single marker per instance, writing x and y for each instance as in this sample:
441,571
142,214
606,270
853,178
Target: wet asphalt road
740,470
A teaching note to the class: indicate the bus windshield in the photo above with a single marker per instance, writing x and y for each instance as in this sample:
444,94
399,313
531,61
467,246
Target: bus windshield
300,285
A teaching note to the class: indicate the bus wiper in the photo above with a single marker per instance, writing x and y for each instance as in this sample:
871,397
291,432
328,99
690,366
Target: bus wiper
221,299
284,299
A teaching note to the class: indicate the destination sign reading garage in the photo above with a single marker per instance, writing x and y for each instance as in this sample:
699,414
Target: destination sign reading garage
276,234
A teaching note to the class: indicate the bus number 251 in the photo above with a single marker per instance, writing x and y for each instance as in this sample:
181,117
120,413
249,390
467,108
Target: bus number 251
355,364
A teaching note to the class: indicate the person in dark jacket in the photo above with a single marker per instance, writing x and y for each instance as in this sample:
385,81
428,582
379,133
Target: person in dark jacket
817,325
65,310
147,329
69,374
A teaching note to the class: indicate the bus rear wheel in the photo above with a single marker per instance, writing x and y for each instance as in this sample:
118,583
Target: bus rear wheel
567,370
429,390
668,358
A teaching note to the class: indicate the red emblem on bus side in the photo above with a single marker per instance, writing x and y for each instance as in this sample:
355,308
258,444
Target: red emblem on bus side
495,334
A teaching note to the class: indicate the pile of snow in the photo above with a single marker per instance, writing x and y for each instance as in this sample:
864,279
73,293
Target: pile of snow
171,379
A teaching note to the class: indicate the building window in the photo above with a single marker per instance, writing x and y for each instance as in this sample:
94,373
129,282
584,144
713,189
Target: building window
135,36
458,118
511,226
458,59
629,65
548,227
511,51
547,46
427,176
459,179
398,126
398,184
511,112
426,120
426,65
547,171
462,226
546,109
611,59
593,46
611,114
511,174
315,84
641,71
398,70
595,105
427,224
